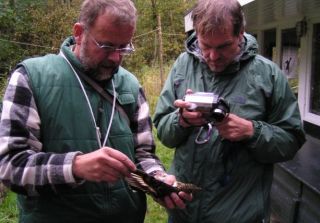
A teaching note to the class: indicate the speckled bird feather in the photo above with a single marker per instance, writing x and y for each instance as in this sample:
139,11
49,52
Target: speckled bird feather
158,189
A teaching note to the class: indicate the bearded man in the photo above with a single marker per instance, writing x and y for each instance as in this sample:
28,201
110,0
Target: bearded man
64,148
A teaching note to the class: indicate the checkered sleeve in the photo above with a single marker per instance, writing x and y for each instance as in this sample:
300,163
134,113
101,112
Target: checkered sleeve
143,138
24,167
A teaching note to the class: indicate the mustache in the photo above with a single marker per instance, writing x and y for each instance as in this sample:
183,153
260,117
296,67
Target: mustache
107,64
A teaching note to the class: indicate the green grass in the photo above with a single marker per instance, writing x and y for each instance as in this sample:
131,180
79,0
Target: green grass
155,212
8,209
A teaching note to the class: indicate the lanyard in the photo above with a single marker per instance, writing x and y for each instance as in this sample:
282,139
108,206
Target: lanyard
97,129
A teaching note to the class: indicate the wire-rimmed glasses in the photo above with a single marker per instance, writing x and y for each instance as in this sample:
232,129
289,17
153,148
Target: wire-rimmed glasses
110,49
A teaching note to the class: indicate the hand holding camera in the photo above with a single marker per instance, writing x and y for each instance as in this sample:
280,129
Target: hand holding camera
198,109
213,108
201,108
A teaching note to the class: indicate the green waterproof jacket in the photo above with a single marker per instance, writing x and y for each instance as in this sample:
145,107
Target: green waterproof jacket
235,177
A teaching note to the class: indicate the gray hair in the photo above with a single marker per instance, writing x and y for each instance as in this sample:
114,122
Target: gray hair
210,15
123,11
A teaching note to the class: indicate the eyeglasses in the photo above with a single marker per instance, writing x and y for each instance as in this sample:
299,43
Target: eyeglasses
110,49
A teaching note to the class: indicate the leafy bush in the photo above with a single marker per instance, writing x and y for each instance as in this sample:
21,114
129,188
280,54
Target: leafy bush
33,28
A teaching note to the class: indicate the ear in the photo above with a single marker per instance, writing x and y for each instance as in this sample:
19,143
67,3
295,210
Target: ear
241,32
240,35
78,31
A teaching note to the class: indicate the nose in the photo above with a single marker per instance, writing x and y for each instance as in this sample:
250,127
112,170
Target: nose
214,54
115,57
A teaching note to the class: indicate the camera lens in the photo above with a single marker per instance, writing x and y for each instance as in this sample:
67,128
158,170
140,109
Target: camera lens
218,114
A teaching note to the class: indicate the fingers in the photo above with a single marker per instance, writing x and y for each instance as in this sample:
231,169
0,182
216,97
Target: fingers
175,201
189,91
105,164
168,203
120,161
235,128
185,196
192,118
181,104
188,118
178,201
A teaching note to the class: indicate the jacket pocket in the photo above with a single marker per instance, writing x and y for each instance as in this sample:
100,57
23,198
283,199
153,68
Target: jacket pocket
125,98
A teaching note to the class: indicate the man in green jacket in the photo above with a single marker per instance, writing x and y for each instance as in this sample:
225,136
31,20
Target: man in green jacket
64,148
231,160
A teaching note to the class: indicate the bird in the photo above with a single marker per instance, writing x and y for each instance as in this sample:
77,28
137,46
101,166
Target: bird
156,188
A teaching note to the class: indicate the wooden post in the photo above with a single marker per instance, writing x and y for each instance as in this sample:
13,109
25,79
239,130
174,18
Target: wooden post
69,3
12,4
160,50
66,2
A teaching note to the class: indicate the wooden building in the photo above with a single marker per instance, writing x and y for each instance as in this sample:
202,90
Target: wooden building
288,32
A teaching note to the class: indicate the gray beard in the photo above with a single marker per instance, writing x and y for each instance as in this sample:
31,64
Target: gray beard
93,72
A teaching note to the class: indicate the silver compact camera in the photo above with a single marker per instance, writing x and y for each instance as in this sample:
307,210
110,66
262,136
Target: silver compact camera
214,108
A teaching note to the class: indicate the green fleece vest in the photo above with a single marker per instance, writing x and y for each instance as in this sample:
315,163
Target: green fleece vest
67,125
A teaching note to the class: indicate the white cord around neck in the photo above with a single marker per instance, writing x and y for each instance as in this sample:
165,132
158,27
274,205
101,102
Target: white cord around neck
98,135
112,114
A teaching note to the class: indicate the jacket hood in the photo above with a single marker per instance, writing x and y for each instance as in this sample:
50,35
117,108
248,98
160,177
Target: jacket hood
249,48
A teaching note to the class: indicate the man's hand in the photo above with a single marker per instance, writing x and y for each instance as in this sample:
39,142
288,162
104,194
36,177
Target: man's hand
174,200
188,118
235,128
105,164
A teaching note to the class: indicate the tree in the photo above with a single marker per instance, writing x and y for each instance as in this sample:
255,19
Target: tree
33,28
37,27
146,39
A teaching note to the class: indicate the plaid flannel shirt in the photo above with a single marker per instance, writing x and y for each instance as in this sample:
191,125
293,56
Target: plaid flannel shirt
25,168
